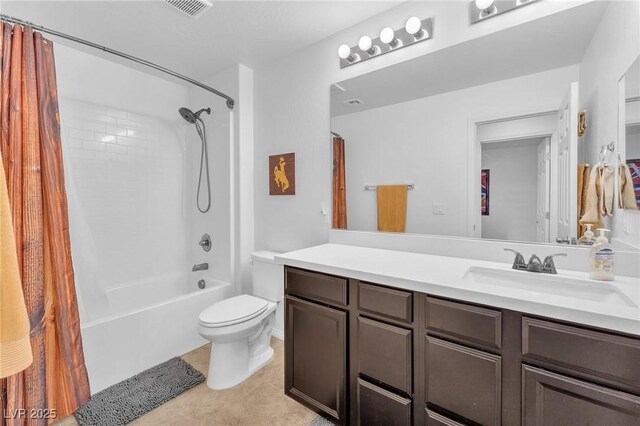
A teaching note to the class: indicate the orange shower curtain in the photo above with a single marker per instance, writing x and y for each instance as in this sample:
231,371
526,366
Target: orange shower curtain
339,185
32,158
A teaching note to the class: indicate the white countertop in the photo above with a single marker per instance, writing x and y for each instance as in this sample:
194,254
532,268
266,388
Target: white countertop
446,277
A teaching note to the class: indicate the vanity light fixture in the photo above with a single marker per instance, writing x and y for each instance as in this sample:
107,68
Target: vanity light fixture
344,52
414,31
479,10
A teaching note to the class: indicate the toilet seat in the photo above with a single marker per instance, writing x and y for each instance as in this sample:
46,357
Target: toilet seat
231,311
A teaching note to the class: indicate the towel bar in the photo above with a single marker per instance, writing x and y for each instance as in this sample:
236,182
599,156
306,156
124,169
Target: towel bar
373,187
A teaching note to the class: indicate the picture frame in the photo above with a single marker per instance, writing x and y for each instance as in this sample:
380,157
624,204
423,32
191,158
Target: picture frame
485,183
282,174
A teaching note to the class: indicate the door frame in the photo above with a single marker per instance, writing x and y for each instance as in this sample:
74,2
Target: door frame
474,160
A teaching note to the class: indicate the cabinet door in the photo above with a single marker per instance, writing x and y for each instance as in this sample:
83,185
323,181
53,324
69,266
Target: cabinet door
316,357
379,407
464,381
552,399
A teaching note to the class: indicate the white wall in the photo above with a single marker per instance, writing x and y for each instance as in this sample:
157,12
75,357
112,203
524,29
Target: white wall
614,47
513,190
123,147
292,111
424,142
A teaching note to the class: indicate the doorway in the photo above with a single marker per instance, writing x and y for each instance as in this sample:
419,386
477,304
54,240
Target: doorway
518,191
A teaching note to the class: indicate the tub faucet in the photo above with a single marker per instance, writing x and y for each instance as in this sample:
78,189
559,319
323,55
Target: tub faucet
200,267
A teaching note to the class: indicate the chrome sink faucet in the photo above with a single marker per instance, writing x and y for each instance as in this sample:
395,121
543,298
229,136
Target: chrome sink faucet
547,266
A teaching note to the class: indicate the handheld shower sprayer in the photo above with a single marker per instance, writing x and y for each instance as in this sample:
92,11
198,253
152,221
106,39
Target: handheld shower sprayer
194,118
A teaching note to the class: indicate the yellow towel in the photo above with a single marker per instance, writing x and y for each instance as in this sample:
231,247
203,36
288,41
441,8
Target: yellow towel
15,347
626,194
392,208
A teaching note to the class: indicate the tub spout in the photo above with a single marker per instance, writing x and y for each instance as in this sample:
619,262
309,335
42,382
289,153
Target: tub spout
200,267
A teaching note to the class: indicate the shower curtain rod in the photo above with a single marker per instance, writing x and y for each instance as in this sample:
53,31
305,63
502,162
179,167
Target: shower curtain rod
11,19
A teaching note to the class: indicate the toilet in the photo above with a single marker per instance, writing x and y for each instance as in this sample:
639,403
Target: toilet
240,327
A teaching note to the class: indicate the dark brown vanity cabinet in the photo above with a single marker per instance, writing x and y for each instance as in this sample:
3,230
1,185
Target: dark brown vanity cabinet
366,354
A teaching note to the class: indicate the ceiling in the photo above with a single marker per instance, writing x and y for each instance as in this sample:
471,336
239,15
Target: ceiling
230,32
547,43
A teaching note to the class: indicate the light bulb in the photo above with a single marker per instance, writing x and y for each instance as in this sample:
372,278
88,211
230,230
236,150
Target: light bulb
344,51
484,4
365,43
387,35
413,25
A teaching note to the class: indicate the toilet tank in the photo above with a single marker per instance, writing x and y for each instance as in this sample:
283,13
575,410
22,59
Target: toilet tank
268,276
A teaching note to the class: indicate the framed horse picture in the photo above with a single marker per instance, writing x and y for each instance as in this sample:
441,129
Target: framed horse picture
282,174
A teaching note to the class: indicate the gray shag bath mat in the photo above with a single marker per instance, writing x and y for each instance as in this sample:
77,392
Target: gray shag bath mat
321,421
126,401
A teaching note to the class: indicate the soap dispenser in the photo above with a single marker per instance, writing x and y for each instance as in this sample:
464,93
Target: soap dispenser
602,258
588,238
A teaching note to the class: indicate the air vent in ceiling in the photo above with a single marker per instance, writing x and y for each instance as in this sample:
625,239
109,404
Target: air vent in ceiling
193,8
354,101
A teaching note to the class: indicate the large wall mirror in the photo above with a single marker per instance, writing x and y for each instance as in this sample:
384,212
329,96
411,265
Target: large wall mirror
480,138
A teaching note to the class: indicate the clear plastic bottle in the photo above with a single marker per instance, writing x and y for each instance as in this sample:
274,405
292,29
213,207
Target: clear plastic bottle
602,258
588,238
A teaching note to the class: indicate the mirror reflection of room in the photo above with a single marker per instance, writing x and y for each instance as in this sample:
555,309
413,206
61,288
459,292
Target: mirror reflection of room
496,137
630,176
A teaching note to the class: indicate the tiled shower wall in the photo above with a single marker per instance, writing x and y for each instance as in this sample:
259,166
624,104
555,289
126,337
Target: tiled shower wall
125,174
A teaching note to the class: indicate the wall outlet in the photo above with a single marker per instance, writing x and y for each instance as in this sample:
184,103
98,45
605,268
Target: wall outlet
439,209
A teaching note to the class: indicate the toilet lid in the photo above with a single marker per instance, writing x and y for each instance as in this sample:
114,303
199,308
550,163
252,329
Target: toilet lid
233,311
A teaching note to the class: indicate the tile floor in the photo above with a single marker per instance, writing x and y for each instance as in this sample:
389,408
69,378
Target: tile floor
259,400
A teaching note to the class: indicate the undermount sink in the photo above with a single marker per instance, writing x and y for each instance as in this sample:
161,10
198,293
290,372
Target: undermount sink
546,284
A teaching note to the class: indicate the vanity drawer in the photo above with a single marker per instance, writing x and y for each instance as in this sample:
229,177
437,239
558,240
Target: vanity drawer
466,322
464,381
385,354
386,302
608,356
316,286
377,406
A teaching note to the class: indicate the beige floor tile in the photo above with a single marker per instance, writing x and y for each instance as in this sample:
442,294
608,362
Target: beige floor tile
259,400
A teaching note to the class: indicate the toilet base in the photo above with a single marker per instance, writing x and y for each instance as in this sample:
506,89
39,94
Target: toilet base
230,364
233,361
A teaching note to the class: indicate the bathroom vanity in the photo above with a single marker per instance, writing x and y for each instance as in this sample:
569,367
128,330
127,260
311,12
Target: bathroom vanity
385,337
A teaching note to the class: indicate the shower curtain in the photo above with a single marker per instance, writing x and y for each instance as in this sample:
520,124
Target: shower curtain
32,157
339,185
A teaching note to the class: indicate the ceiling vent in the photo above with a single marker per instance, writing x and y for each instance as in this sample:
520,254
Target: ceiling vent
354,101
192,8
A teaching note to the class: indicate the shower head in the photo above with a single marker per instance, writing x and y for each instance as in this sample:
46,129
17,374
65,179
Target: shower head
191,116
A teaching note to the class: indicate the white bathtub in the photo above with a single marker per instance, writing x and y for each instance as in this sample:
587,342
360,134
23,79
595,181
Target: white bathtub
133,338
